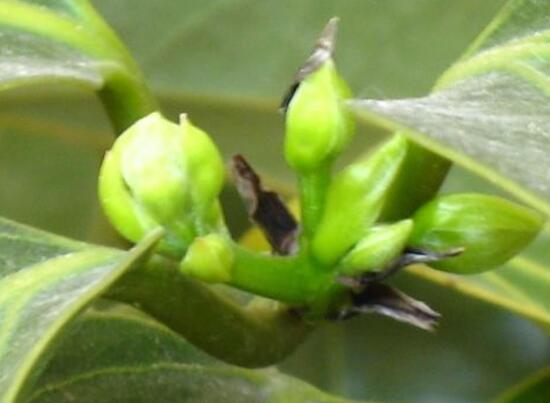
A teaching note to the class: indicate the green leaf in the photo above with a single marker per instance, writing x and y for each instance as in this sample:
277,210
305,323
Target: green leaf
534,389
117,354
22,246
72,44
184,383
56,49
110,334
39,298
490,110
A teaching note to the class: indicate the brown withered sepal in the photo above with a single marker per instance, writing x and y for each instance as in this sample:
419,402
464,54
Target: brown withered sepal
266,209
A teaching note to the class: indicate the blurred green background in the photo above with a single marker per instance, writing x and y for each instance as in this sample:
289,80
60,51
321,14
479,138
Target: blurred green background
226,63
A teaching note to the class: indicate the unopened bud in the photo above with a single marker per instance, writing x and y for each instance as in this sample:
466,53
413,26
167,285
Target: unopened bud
490,229
354,200
379,247
318,124
159,173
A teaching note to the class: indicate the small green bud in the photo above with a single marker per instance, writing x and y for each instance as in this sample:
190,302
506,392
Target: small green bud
159,173
354,200
380,245
318,124
209,258
490,229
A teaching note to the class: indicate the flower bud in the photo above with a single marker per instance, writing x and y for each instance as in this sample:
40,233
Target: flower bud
318,124
159,173
490,229
209,258
381,245
354,200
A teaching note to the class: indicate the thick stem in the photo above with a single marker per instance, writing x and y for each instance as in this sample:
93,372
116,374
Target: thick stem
125,94
258,335
292,280
126,99
296,280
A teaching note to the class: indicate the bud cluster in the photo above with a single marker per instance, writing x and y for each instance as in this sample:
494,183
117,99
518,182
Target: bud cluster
163,174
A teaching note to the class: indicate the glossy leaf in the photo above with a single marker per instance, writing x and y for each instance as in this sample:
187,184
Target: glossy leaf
39,296
22,246
185,383
110,334
56,49
118,354
490,110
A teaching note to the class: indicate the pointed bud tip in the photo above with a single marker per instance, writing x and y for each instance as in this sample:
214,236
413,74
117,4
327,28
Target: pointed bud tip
323,51
328,37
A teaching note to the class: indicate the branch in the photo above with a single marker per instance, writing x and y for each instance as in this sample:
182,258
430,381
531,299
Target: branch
260,334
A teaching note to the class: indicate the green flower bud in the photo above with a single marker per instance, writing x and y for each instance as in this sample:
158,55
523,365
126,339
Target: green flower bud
380,245
354,200
318,124
490,229
209,258
159,173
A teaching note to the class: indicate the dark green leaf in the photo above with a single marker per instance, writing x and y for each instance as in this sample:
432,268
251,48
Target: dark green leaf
115,335
117,354
39,298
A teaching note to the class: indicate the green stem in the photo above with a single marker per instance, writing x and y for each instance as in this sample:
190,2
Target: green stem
261,334
125,94
126,99
296,280
289,279
313,189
